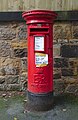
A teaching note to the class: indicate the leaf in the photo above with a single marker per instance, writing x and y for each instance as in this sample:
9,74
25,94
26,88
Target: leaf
15,118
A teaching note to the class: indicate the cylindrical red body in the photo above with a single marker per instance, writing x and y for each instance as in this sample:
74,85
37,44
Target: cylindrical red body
40,50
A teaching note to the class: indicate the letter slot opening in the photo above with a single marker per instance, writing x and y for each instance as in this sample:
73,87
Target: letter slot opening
39,30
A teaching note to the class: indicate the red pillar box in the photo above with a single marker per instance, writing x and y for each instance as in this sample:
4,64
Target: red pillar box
40,58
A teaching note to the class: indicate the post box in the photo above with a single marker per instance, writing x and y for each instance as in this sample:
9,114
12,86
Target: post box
40,58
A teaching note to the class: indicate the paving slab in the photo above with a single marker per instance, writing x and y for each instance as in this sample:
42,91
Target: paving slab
13,108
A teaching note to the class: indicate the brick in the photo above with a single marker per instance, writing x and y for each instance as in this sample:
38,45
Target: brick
69,51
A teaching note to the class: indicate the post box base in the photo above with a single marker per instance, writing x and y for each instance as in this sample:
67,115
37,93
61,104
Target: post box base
39,102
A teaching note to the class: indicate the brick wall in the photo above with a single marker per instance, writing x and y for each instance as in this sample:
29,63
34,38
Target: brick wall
13,56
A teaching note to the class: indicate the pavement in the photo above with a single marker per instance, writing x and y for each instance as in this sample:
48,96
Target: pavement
65,108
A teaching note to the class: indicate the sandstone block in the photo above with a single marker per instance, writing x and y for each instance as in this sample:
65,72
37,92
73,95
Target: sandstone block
64,62
2,87
20,52
2,79
73,88
69,51
56,50
2,71
13,87
56,73
20,45
23,77
61,62
73,62
7,33
62,31
22,34
70,80
75,30
68,72
59,86
11,70
9,66
12,79
57,62
5,49
23,66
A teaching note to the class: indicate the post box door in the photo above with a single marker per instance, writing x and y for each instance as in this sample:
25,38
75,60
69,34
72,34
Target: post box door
41,63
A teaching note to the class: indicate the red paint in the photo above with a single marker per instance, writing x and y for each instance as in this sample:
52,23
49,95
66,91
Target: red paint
40,23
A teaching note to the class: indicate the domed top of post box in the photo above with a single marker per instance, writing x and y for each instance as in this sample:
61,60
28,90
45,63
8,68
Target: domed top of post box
39,16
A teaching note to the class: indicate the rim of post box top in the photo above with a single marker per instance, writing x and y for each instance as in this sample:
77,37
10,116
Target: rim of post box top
39,16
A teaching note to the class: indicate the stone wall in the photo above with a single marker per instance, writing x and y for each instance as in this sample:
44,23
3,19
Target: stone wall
66,57
13,56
